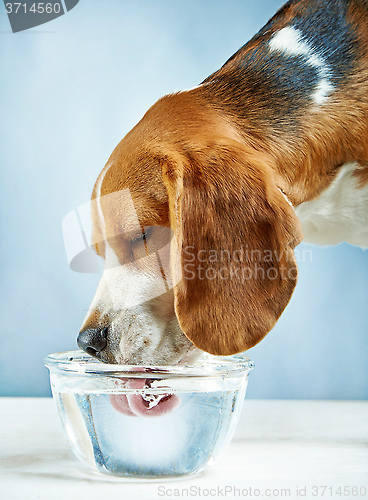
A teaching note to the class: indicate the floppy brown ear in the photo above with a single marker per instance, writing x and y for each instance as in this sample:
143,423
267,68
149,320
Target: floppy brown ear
235,234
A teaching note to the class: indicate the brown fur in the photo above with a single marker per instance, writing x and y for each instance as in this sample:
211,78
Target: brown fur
193,163
223,197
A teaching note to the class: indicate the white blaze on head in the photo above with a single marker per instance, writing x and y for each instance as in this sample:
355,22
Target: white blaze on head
289,42
97,200
131,284
126,285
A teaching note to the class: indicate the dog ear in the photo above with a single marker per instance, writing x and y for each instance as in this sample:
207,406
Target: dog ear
235,232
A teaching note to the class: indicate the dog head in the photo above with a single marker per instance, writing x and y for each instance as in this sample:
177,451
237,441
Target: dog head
197,240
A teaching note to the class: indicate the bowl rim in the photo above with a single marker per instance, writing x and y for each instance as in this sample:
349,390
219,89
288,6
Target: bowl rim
79,362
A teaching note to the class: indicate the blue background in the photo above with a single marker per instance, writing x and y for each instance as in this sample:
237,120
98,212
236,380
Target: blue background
70,90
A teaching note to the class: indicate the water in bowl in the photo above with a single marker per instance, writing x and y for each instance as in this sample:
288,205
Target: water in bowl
178,443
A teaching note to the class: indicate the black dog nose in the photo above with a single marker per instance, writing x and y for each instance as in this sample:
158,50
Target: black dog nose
93,340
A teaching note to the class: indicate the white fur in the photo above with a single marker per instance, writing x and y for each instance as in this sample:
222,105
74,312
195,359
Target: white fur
191,88
286,198
289,42
124,286
339,213
128,286
98,199
195,87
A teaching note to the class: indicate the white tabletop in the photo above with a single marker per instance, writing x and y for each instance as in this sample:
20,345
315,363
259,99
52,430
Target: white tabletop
281,449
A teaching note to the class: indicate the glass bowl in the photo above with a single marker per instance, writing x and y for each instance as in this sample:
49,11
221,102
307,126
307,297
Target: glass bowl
148,421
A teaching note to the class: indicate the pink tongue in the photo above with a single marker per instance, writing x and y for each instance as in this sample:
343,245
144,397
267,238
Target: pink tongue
135,405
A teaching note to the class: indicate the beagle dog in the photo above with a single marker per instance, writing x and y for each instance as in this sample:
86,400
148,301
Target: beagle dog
199,208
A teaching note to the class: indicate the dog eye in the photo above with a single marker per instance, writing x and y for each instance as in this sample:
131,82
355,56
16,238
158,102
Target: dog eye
142,236
139,237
